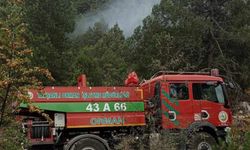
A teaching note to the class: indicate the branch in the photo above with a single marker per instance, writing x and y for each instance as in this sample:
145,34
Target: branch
217,43
4,104
218,25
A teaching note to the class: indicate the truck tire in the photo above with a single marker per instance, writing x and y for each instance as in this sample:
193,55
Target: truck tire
88,144
202,141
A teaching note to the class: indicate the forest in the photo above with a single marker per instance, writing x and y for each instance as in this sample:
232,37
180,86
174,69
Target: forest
51,42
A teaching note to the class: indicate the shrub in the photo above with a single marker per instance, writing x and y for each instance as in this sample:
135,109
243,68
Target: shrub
12,137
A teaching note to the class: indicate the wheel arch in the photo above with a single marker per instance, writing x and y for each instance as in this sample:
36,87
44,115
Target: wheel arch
91,136
203,126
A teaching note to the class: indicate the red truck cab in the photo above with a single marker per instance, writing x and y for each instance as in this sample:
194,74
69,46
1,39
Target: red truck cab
190,101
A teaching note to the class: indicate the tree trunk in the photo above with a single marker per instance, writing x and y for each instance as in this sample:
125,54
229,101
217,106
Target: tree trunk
211,54
4,104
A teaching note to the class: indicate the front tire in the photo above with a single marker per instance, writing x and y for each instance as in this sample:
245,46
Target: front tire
202,141
88,144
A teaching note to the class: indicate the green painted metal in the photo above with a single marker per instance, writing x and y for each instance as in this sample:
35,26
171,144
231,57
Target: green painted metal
172,100
90,106
169,107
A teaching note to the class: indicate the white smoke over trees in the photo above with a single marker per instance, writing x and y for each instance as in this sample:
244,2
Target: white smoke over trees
128,14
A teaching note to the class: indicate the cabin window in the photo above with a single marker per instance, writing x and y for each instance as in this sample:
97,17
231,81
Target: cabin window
178,91
210,92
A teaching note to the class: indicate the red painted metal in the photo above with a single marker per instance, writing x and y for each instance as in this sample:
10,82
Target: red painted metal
82,81
180,77
188,108
134,93
89,120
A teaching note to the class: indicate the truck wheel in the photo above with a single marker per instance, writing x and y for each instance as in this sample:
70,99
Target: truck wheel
202,141
88,144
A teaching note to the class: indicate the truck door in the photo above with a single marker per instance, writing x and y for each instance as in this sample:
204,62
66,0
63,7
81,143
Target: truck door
212,102
177,109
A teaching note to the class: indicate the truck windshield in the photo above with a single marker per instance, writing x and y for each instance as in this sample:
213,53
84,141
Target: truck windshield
219,94
210,92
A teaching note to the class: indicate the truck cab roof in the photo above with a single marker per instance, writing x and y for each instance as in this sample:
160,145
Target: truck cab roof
183,77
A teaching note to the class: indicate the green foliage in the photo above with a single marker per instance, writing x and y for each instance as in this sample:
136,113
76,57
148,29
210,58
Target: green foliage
239,134
17,73
168,40
108,50
101,59
247,141
185,35
49,21
92,35
12,137
193,35
84,6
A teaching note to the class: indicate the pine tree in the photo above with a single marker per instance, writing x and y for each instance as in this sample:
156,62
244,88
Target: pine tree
48,24
102,62
17,73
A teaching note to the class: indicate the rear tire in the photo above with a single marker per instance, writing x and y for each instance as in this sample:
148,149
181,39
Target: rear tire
88,144
202,141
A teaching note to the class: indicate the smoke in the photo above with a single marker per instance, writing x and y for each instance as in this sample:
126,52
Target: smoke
128,14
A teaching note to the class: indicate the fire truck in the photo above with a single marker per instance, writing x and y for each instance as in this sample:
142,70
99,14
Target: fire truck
87,118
